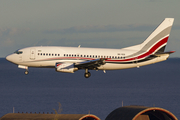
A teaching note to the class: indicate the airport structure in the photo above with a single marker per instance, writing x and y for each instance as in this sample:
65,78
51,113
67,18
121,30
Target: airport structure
122,113
140,113
29,116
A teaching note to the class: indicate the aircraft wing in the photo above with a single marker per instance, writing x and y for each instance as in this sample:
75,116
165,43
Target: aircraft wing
90,64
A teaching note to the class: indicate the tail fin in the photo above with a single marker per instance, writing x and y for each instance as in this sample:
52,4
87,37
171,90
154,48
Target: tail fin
157,41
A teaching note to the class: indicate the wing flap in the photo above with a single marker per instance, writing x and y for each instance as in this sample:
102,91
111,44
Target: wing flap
90,64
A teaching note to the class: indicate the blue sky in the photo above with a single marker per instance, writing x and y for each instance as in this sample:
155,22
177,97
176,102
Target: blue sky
89,23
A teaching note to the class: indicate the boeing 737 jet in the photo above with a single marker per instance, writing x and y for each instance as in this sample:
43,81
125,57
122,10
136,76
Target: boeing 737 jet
71,59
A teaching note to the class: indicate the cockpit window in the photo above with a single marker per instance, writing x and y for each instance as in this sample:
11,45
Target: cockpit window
18,52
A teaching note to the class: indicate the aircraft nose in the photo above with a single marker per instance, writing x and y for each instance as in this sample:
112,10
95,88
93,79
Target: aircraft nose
9,58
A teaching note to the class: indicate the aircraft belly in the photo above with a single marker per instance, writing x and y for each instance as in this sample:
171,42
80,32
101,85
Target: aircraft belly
40,64
111,66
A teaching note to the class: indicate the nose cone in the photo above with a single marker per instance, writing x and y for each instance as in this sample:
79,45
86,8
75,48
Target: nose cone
9,58
13,58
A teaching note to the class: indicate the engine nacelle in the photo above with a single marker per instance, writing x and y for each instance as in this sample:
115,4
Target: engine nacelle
65,67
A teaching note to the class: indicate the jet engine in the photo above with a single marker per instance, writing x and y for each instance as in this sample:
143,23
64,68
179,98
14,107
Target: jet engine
65,67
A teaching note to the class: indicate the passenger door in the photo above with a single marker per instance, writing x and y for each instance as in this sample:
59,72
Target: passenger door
32,54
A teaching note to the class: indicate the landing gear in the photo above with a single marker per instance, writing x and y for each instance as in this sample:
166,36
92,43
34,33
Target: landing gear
87,74
24,67
26,72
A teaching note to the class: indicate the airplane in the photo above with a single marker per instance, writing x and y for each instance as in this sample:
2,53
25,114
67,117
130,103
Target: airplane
72,59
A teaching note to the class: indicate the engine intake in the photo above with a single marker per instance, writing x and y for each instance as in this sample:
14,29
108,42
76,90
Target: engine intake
65,67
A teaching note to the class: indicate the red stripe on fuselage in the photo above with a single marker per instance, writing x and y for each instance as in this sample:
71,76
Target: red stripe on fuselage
154,48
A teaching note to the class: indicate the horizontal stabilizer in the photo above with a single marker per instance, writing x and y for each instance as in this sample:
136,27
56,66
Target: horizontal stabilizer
159,54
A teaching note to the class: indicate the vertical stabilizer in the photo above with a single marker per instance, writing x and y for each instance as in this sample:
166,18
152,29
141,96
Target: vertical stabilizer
157,41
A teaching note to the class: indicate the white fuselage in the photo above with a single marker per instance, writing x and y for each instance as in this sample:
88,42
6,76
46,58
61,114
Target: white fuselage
45,56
